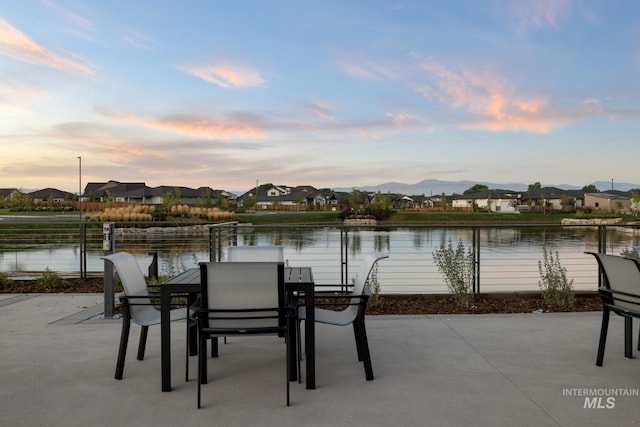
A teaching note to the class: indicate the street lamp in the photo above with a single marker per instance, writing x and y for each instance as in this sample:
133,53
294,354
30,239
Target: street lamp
80,186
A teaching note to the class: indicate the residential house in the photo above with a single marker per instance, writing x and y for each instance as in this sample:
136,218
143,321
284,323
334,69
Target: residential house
491,200
269,196
50,195
608,201
139,193
553,198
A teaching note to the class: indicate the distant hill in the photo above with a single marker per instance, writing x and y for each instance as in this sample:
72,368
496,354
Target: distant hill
433,187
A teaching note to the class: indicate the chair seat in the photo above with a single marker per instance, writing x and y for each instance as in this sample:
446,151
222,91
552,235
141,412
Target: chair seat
330,317
151,316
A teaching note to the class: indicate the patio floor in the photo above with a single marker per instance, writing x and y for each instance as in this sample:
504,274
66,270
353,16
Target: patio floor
57,363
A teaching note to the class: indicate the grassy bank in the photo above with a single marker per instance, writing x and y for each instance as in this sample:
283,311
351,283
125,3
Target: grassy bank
324,218
332,218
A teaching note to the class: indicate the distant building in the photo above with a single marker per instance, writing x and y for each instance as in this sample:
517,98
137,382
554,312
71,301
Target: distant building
608,201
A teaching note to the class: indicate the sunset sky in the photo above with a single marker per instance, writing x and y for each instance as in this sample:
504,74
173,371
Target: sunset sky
326,93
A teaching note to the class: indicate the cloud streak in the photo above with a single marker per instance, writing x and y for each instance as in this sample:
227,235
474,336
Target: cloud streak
226,75
231,126
538,14
15,44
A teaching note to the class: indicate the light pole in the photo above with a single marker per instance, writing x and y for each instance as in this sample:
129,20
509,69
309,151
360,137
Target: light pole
83,249
80,186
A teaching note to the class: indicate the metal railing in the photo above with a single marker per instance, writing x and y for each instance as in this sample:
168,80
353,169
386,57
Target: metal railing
506,256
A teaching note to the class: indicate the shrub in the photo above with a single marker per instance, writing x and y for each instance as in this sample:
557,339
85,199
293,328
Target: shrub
5,281
378,213
50,280
631,253
373,285
457,269
557,290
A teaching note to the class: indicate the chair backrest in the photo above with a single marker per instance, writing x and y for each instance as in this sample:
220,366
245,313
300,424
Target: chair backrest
361,279
255,254
133,284
622,278
243,286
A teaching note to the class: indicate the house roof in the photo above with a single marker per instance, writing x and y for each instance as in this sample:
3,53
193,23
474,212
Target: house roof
609,196
7,191
549,193
48,192
485,194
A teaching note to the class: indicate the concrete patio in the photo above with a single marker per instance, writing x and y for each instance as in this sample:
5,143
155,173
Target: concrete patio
57,362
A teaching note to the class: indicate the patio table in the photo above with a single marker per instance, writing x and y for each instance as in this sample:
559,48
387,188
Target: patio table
297,280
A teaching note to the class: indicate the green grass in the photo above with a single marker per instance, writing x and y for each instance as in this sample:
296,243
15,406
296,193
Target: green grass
463,217
264,218
7,212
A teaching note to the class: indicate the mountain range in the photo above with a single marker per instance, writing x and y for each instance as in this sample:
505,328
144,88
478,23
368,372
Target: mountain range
433,186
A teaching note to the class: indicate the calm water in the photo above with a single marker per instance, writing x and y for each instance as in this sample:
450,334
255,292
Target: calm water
508,256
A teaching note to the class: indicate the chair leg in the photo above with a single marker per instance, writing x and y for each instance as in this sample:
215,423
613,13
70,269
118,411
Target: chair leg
124,340
143,342
364,348
628,340
356,334
188,352
214,347
287,361
202,364
603,335
298,349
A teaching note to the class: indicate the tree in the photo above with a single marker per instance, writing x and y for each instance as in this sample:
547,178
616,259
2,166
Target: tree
168,200
476,189
567,203
18,201
221,201
635,203
249,202
590,189
535,186
383,201
355,199
443,200
204,199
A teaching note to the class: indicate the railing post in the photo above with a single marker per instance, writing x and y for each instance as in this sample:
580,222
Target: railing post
108,246
83,250
602,239
212,243
344,251
215,239
476,260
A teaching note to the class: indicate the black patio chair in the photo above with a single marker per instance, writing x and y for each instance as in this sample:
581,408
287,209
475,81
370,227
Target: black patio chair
620,293
241,298
351,312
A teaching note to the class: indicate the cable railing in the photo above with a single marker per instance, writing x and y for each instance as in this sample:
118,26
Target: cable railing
507,255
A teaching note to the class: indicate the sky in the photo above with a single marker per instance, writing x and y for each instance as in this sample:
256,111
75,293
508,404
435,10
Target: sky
328,93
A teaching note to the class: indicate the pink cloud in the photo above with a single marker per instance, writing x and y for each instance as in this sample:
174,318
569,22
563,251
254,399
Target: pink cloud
194,125
226,75
488,96
15,44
